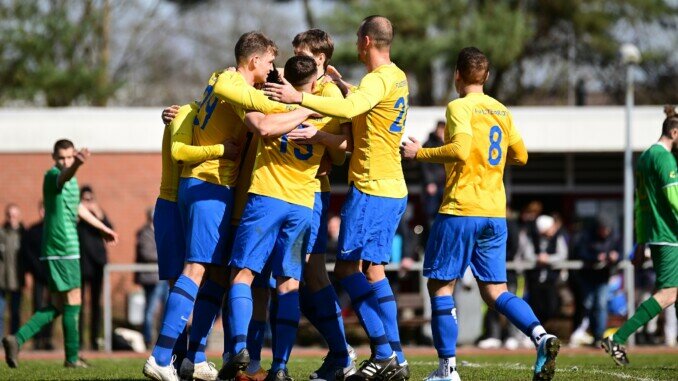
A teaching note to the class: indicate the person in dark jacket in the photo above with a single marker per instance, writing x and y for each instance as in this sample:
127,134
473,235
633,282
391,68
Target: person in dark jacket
156,291
600,253
93,258
11,269
30,253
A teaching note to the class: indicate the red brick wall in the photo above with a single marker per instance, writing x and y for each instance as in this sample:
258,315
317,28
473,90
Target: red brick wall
126,185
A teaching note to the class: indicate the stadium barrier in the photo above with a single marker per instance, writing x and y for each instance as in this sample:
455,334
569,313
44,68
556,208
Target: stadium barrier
416,267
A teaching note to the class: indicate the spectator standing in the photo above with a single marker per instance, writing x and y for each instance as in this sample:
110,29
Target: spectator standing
600,253
11,274
92,261
546,250
433,175
156,291
30,254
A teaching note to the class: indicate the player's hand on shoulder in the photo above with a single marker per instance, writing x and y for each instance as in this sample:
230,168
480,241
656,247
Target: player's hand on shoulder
82,156
284,92
409,149
231,150
306,135
170,113
333,73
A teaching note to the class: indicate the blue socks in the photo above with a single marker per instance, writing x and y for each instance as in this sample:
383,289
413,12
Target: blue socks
306,303
366,306
239,315
177,311
225,325
517,311
207,306
444,326
287,324
330,324
180,347
273,316
389,315
255,338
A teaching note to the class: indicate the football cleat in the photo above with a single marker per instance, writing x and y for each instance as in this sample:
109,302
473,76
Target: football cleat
547,351
616,351
160,373
235,364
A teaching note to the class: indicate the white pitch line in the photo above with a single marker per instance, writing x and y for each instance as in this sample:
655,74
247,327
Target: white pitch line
517,366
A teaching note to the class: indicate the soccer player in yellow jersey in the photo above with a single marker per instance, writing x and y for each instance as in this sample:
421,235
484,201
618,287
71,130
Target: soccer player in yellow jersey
378,193
275,224
177,150
319,301
205,200
480,140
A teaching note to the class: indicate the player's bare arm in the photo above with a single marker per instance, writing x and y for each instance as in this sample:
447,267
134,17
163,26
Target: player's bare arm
107,233
67,173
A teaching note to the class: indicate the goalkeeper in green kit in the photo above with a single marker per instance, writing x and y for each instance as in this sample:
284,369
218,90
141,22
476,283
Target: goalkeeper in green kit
656,214
60,254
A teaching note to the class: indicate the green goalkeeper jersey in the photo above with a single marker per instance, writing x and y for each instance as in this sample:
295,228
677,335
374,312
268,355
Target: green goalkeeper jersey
656,204
60,235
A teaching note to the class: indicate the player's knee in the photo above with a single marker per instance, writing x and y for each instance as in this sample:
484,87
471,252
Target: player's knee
666,297
242,276
491,291
374,272
316,278
285,285
195,271
440,287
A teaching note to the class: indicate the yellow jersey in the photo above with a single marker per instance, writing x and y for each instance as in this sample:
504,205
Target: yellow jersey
475,187
378,109
177,149
286,170
215,122
326,88
169,180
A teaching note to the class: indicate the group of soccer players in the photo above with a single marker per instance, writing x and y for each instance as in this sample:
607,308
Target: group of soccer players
245,188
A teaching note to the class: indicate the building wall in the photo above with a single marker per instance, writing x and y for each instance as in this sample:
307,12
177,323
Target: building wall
125,185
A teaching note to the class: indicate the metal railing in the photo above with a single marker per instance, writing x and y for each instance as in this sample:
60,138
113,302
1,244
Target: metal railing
416,267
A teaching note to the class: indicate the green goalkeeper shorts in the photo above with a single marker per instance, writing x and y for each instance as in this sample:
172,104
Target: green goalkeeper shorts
64,274
665,262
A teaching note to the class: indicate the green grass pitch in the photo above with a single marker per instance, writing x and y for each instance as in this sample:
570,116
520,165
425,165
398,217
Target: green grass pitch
644,367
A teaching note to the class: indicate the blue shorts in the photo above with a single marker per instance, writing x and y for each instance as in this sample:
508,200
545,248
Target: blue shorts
368,224
205,210
261,280
317,242
457,241
275,229
169,239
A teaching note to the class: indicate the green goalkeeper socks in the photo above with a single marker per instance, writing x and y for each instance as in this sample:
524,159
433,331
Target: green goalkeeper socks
646,311
71,333
40,318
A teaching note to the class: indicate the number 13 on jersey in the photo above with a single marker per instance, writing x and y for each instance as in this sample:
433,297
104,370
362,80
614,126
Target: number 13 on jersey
399,123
